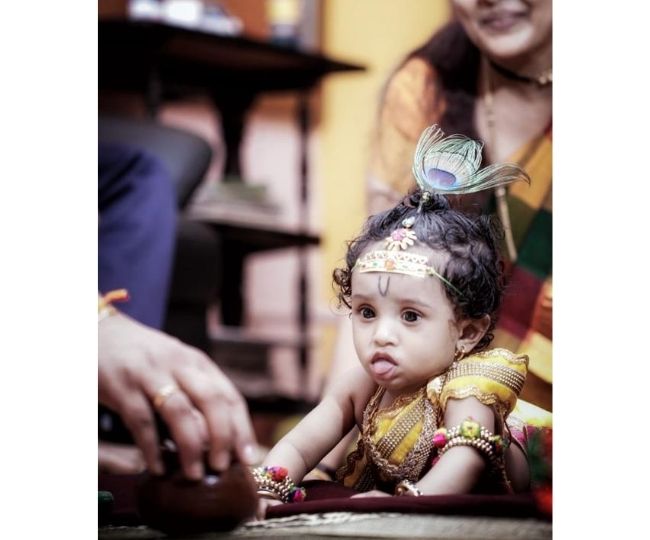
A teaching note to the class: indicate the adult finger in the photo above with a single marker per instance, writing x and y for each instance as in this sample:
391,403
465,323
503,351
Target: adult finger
212,396
177,411
244,435
139,419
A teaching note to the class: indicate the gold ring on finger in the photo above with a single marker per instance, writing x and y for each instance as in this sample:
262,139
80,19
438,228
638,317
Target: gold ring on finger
162,394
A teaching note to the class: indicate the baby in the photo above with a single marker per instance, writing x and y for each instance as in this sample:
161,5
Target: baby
424,283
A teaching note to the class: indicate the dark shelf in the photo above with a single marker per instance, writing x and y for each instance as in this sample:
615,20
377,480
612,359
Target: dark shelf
253,237
236,335
131,53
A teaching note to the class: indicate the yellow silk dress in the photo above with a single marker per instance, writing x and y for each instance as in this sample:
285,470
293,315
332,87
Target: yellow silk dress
396,442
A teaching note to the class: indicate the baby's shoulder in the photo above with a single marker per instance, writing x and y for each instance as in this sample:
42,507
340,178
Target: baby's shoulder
495,377
353,389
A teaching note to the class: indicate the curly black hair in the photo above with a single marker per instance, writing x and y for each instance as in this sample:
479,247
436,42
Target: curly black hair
474,265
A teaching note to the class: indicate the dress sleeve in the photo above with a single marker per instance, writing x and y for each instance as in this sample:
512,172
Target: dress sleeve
410,103
494,377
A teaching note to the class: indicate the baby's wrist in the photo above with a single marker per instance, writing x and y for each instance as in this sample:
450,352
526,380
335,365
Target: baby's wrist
322,472
275,483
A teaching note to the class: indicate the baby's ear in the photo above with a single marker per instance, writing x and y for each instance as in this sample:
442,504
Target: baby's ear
471,331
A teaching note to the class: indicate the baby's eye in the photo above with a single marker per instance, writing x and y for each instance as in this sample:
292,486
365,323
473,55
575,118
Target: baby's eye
410,316
366,312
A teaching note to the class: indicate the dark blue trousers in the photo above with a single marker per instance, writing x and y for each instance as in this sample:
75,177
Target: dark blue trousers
137,230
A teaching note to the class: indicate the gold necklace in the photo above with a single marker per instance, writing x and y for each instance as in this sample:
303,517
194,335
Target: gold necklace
544,78
500,192
378,452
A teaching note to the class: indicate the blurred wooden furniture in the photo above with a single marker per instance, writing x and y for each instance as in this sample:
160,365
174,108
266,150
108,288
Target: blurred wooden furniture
160,61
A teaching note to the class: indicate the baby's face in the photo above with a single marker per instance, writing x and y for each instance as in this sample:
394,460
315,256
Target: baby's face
404,328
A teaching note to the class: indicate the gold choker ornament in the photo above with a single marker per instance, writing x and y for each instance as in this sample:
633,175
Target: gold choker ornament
544,78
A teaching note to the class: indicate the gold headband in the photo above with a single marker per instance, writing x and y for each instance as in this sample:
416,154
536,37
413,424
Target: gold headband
399,262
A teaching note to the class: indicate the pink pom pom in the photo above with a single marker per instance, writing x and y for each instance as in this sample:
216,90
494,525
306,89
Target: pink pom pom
297,495
278,474
440,438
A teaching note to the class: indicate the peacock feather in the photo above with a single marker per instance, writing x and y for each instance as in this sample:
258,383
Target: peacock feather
450,165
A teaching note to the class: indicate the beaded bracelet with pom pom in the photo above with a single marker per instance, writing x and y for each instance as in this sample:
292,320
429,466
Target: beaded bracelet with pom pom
276,483
471,433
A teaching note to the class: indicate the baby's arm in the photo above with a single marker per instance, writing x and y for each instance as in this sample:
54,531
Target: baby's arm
460,467
305,445
301,449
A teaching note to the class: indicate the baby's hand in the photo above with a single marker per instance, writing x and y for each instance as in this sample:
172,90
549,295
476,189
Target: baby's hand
263,505
373,493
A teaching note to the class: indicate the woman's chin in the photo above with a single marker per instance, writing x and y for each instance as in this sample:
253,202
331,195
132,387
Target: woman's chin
505,49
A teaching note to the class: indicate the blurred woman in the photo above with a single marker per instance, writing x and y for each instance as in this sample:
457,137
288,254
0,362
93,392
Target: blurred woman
487,75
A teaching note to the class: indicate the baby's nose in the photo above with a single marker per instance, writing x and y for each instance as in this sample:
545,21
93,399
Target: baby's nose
385,333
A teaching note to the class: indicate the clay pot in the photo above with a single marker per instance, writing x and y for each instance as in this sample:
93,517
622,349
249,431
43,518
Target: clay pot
219,502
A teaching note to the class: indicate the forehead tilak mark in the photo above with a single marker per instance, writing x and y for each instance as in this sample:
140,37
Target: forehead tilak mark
383,291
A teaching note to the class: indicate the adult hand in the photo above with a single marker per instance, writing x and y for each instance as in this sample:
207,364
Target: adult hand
140,366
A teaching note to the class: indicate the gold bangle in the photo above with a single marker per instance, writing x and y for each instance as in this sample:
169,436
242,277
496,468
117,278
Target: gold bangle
471,433
482,446
266,494
408,488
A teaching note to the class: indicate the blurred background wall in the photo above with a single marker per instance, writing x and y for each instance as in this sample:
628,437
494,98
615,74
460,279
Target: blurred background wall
373,33
377,34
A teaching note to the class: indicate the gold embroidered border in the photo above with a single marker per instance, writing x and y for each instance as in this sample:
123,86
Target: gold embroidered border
417,458
504,375
502,353
486,398
389,442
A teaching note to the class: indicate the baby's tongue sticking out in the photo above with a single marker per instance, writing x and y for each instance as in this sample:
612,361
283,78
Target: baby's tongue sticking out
383,369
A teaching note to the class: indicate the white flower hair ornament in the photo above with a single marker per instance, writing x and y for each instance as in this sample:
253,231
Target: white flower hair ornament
450,165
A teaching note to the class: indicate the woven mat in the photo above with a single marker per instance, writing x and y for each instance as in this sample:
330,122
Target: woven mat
356,525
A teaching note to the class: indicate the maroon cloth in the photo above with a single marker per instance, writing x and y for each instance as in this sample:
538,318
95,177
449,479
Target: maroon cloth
323,496
123,488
